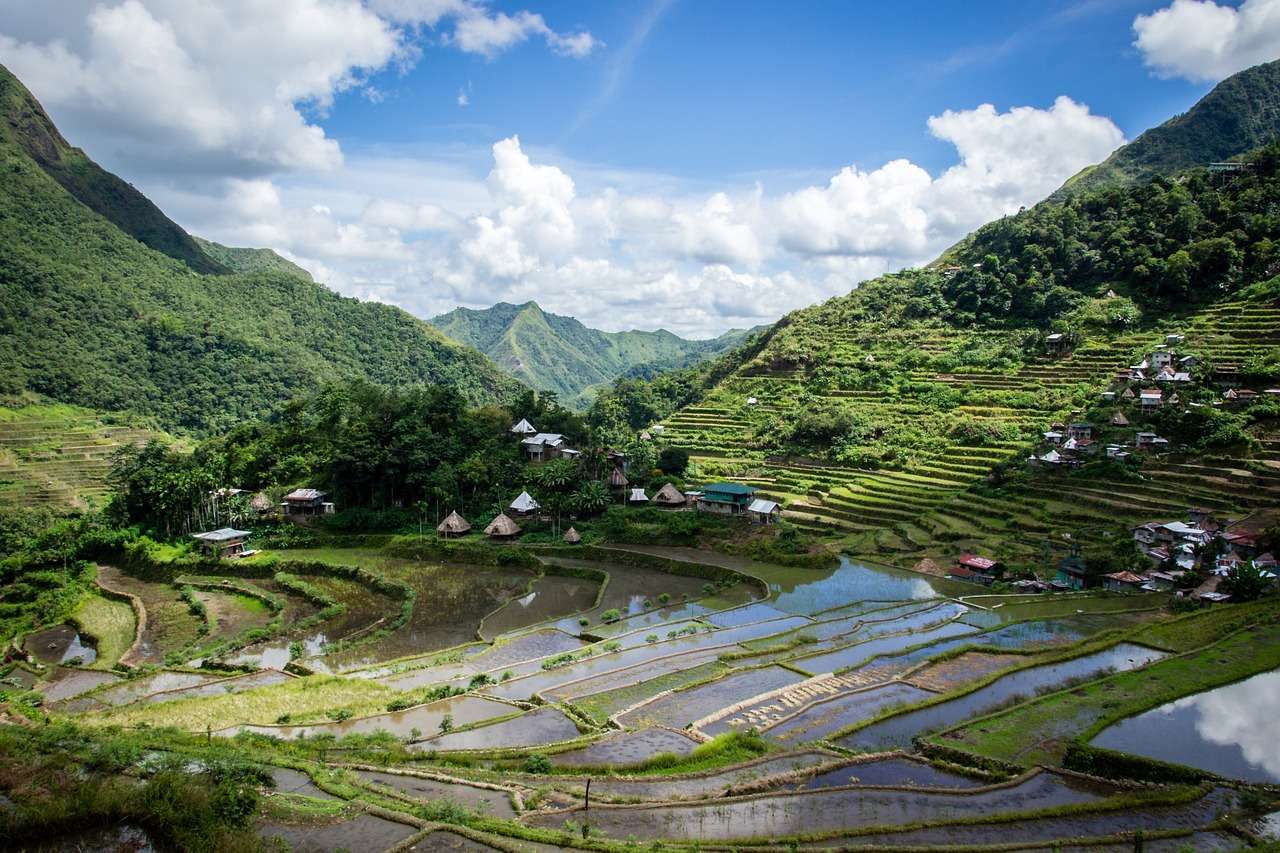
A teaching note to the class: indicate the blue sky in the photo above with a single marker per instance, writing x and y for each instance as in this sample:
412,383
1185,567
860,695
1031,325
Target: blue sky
688,164
834,82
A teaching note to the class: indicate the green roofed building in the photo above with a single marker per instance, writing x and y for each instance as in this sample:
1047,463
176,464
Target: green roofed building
726,498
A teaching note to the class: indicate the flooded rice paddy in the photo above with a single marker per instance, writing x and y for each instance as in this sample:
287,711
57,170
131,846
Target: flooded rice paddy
534,728
627,749
897,732
60,644
1232,731
823,810
827,651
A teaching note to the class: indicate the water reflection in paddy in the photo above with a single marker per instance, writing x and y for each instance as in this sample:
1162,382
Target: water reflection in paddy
897,732
811,591
1233,731
60,644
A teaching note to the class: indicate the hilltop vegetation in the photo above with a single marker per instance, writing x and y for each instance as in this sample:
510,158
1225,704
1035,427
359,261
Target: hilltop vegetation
899,416
1240,114
91,316
250,260
554,353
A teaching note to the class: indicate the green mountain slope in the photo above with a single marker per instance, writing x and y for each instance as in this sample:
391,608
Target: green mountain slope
556,353
900,415
1240,114
91,316
247,260
25,125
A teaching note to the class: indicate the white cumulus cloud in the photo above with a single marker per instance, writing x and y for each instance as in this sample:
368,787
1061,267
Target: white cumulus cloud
1206,42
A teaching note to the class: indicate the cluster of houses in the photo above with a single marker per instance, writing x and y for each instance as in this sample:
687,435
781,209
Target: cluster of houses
1200,545
720,498
1069,445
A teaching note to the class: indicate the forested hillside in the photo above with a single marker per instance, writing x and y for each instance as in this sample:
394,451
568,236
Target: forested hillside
551,352
92,316
892,414
250,260
1240,114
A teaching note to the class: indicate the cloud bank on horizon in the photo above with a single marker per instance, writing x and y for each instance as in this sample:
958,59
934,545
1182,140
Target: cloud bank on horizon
217,110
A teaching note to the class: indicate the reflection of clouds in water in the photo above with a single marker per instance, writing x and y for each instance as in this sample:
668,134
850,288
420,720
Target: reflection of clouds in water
921,589
1243,714
526,600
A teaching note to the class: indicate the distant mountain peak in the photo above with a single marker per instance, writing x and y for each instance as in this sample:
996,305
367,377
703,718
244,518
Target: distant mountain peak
555,352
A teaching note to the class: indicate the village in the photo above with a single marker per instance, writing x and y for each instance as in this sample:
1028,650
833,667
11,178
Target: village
725,499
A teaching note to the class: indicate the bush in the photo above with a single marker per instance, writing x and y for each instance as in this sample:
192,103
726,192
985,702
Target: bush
537,763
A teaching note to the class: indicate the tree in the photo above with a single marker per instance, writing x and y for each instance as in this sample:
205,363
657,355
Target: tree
673,460
1245,582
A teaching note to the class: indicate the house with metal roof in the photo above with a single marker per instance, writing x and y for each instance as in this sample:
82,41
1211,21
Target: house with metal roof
223,542
762,511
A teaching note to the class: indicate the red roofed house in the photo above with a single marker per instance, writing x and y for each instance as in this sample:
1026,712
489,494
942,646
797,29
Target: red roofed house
975,569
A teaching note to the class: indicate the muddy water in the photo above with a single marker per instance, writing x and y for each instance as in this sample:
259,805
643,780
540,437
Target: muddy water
451,601
523,688
1231,730
124,837
705,785
634,675
893,772
844,658
683,707
744,615
482,800
136,689
819,721
426,719
361,832
626,749
897,732
233,684
629,589
822,810
540,726
60,644
277,654
552,597
1200,813
67,683
231,614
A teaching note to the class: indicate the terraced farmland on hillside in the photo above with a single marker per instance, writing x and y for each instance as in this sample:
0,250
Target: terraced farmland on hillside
58,456
945,407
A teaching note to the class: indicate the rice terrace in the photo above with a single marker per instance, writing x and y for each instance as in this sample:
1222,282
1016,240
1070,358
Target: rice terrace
945,519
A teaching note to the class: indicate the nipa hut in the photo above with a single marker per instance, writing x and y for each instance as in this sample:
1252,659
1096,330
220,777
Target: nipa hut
453,525
669,497
617,479
572,536
1118,419
261,504
502,528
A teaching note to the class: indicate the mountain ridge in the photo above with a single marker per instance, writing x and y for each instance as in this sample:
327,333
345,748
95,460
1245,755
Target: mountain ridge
558,353
93,315
1239,114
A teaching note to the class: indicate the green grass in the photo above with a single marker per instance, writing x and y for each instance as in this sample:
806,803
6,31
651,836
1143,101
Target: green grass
1040,731
303,699
110,623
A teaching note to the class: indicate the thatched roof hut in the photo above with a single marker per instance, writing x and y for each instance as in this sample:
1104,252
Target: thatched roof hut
1118,419
929,567
669,495
617,479
572,536
502,528
453,525
260,503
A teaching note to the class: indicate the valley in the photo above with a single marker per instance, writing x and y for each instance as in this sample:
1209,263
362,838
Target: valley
976,555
